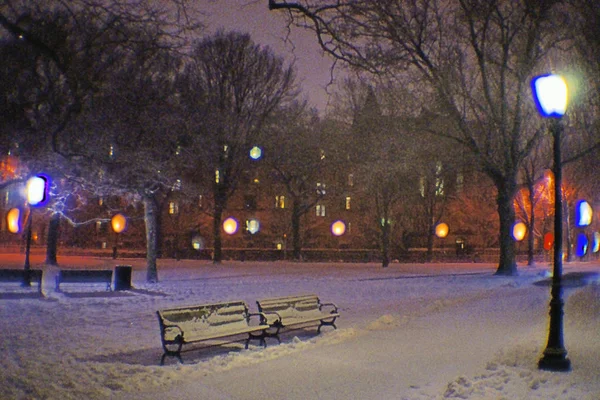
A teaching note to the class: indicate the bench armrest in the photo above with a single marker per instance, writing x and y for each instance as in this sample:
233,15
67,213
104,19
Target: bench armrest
274,319
169,327
331,305
260,315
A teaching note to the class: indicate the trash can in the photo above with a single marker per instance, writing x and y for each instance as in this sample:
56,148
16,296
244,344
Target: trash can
122,277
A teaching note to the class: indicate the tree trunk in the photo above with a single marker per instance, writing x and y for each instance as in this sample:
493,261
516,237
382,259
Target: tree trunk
385,244
217,244
506,212
52,239
150,219
531,236
430,238
296,243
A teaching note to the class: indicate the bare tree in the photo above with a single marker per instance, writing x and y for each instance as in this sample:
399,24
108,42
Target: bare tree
72,51
471,62
229,90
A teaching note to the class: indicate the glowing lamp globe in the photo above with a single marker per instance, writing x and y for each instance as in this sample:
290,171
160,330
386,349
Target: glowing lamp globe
230,226
519,231
198,242
550,94
548,241
581,245
252,226
595,242
37,190
118,223
255,153
441,230
583,214
13,220
338,228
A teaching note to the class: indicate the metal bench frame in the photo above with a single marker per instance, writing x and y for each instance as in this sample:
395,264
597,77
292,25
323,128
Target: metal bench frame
173,347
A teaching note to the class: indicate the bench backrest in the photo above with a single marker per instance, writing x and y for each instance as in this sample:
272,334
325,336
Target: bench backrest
219,316
84,276
16,275
291,306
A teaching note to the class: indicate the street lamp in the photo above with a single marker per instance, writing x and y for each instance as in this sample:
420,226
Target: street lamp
118,223
36,191
550,95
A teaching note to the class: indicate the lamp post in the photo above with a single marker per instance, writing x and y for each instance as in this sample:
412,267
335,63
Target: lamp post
118,223
550,95
37,195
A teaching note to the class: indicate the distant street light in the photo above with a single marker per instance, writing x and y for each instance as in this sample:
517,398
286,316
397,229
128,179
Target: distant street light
550,93
118,223
230,226
338,228
36,191
441,230
519,231
13,220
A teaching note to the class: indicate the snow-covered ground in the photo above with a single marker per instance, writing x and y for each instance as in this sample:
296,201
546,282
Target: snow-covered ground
417,331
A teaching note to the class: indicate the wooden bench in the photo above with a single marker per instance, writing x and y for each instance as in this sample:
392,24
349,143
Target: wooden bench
84,276
297,311
185,325
17,275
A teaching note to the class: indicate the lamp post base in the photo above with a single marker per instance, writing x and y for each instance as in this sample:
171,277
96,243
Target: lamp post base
555,360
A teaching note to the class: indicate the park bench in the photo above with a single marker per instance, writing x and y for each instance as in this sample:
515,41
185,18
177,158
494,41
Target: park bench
84,276
17,275
297,311
186,325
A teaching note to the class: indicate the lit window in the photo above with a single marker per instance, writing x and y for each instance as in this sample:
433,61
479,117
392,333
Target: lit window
178,150
111,151
348,202
439,180
98,226
173,208
100,201
200,201
320,210
279,201
460,182
350,180
176,185
422,186
217,176
322,154
321,189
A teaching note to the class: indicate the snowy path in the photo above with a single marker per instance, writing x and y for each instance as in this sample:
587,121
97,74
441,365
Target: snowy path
418,332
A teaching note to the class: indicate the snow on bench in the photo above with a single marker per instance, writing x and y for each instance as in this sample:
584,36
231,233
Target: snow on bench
294,311
185,325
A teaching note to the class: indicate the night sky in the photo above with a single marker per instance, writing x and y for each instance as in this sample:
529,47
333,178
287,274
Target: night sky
269,28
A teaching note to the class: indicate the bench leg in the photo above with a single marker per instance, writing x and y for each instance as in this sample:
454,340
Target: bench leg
260,337
328,323
164,356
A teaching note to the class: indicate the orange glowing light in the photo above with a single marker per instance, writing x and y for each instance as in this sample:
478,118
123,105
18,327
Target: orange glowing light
519,231
548,241
441,230
13,219
338,228
230,226
118,223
